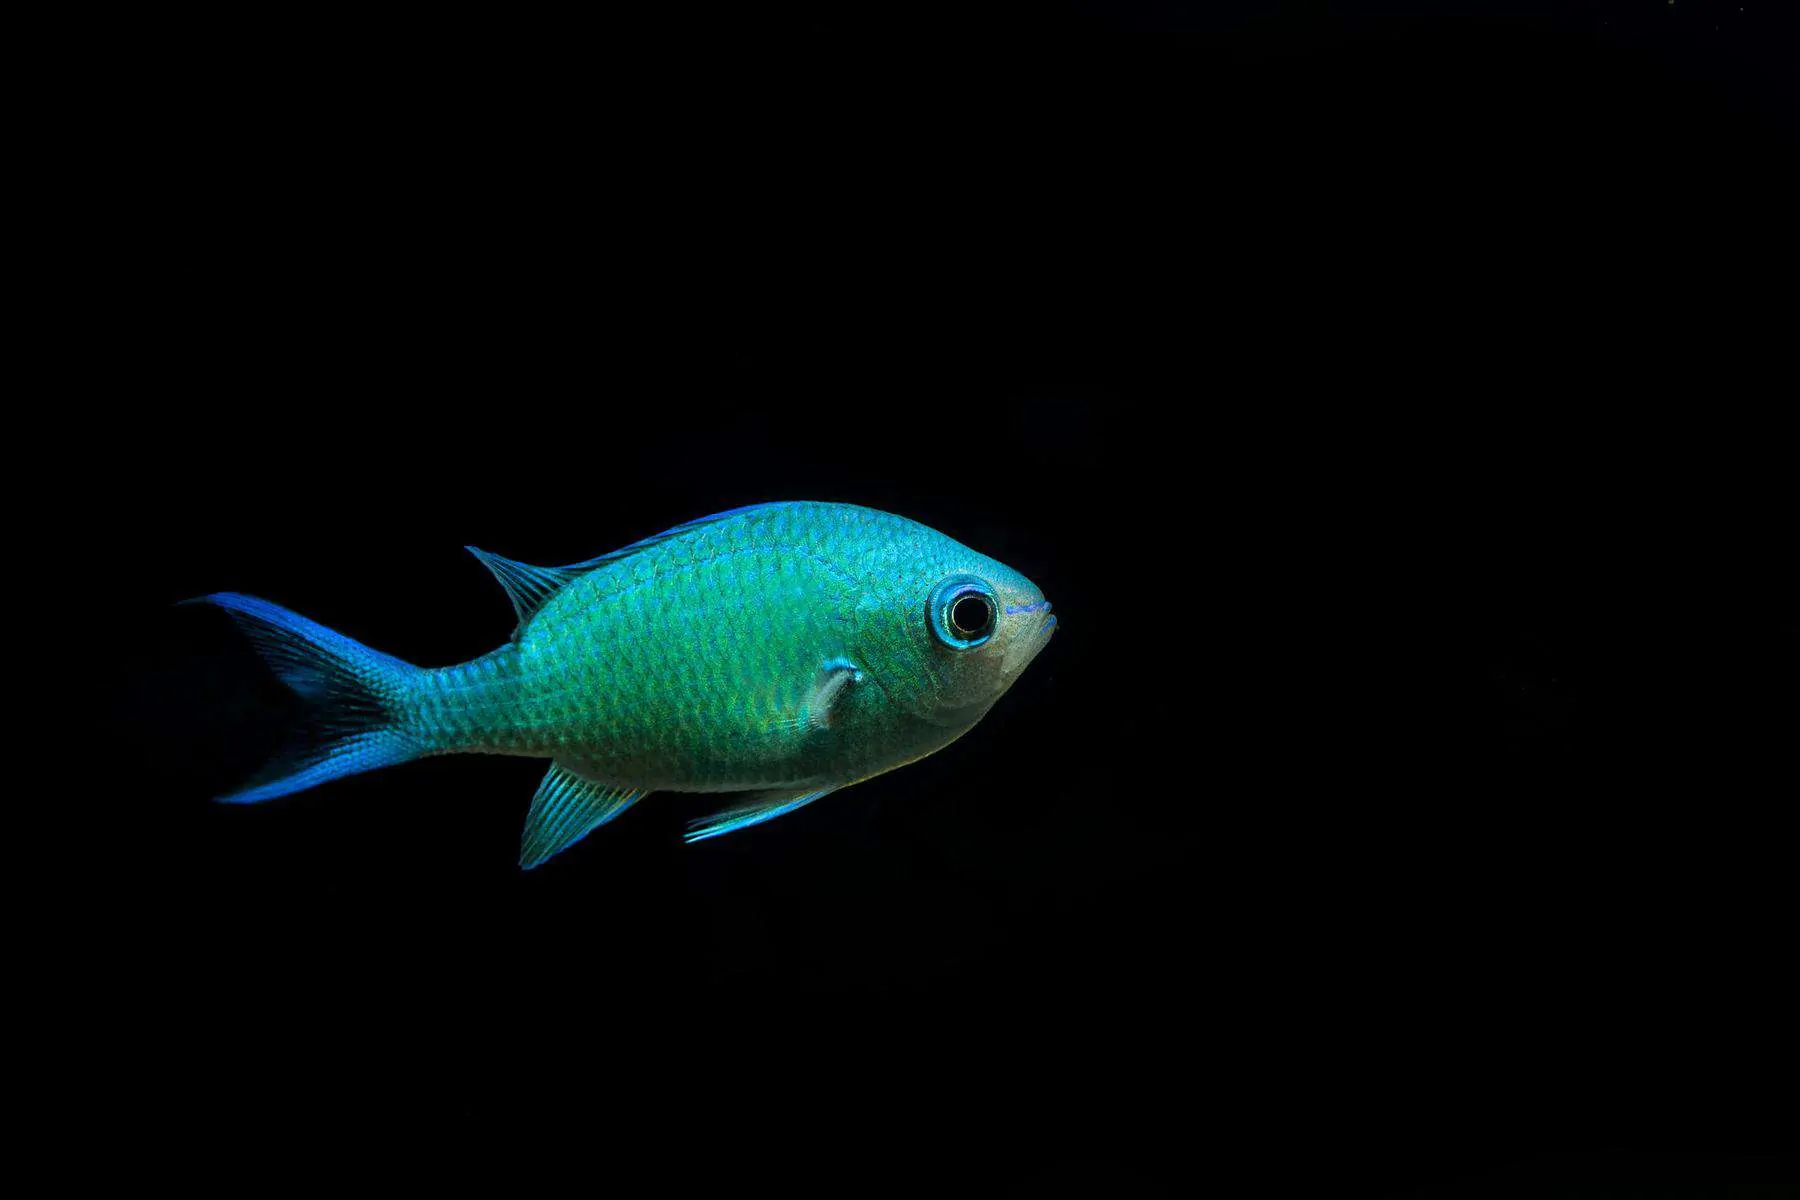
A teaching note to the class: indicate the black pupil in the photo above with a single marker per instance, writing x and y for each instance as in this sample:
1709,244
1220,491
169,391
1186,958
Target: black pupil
971,615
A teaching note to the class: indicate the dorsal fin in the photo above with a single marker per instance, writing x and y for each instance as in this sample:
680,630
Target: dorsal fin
530,588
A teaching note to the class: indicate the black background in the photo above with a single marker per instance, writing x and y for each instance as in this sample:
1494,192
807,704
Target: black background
1388,402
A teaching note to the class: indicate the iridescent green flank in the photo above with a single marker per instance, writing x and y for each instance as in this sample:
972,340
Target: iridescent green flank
790,649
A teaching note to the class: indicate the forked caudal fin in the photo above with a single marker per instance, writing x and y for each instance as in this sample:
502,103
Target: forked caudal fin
352,699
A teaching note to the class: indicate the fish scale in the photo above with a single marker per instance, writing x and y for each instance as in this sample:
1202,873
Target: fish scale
792,648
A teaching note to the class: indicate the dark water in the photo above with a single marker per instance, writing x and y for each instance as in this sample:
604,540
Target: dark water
1388,405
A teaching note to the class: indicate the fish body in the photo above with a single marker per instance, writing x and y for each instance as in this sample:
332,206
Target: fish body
787,649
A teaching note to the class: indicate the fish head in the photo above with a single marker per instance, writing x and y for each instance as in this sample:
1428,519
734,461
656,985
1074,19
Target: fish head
956,631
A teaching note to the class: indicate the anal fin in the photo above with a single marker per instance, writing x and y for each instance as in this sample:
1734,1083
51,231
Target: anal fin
753,810
566,809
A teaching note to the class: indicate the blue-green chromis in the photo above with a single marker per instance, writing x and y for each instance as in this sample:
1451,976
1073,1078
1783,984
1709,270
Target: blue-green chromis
786,650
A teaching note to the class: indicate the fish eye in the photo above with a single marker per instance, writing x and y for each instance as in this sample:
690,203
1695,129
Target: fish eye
972,615
963,612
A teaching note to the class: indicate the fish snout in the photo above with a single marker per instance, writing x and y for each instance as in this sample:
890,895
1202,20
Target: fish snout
1030,637
1041,608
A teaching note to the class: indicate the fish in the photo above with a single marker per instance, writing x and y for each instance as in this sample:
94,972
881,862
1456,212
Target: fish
784,650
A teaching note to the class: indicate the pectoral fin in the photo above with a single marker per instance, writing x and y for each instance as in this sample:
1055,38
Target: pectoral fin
566,809
819,707
754,810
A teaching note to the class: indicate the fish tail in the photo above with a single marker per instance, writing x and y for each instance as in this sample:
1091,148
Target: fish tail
353,700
